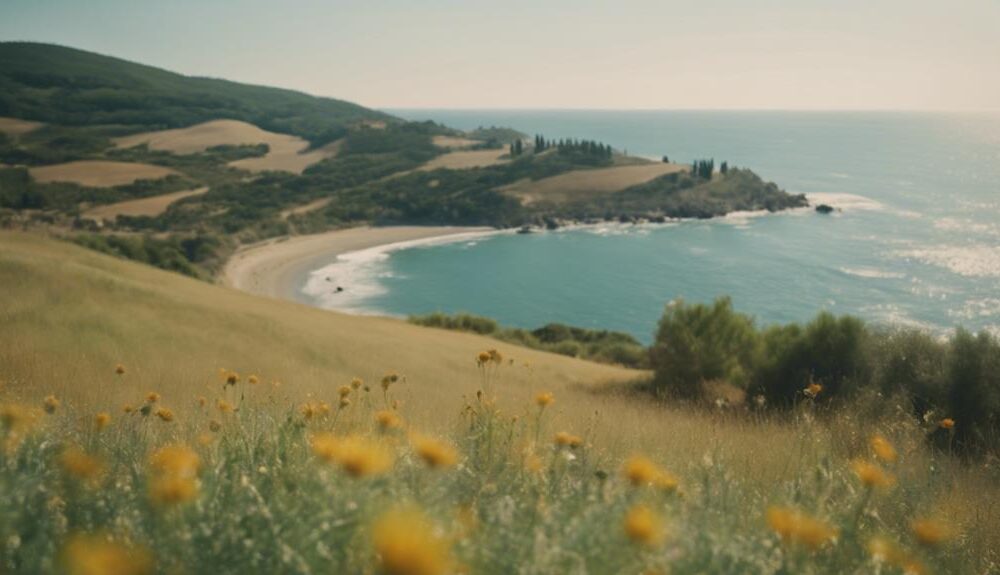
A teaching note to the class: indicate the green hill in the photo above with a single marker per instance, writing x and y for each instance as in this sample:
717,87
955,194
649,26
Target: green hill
66,86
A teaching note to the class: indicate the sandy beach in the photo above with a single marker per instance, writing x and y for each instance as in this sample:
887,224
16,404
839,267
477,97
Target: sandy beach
273,268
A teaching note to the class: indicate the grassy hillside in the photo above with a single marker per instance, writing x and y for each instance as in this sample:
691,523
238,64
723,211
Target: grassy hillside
60,85
275,488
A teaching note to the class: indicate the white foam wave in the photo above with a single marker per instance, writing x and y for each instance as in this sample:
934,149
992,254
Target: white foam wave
977,308
966,226
872,273
355,277
845,201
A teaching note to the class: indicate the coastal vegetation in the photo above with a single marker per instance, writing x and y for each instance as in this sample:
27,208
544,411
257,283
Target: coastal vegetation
152,423
598,345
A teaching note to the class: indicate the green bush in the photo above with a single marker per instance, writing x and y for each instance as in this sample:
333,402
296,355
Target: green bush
973,374
698,343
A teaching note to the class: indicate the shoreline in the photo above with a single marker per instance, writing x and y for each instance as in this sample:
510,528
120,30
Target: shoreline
274,268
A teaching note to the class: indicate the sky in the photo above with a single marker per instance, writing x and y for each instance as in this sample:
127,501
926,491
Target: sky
594,54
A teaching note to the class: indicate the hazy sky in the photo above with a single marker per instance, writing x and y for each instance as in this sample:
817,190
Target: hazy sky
789,54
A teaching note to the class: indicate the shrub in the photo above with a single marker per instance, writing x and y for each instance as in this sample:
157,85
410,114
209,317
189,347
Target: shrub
698,343
974,388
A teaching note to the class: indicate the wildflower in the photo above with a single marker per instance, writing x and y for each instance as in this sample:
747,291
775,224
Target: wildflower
172,490
232,378
344,402
796,527
883,449
564,439
102,420
640,471
356,383
164,414
388,420
97,555
483,358
50,404
80,465
253,380
871,475
224,406
307,410
388,380
17,419
495,356
435,453
127,408
406,544
812,390
930,533
120,369
643,525
544,399
947,423
533,463
202,401
344,390
175,460
152,397
322,408
356,455
214,426
884,550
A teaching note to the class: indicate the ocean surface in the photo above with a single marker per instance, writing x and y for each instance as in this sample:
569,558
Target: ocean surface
916,241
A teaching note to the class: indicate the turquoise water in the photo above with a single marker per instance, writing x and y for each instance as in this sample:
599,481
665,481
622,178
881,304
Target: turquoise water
917,241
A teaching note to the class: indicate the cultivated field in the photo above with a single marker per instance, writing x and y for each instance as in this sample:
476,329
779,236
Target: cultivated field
464,160
15,127
453,142
99,173
153,206
245,446
285,153
580,183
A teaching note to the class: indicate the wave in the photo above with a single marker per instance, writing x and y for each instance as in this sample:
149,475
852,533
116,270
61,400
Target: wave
354,278
872,273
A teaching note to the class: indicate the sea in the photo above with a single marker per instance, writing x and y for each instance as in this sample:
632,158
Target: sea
914,240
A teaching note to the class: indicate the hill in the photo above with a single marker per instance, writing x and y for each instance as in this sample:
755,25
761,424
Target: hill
266,466
60,85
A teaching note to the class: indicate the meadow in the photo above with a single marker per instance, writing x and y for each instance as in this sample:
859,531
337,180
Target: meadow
155,423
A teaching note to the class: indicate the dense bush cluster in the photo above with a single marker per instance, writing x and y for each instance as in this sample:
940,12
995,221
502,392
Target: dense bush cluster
182,255
596,345
956,378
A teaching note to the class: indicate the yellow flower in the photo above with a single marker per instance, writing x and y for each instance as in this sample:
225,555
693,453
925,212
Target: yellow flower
308,410
253,380
388,380
80,465
643,525
357,382
388,420
931,533
152,397
640,471
406,544
544,399
344,390
813,390
435,453
102,420
164,414
564,439
344,402
883,449
173,490
120,369
796,527
202,401
17,419
50,404
871,475
224,406
483,357
232,378
97,555
495,356
358,456
127,408
175,460
947,423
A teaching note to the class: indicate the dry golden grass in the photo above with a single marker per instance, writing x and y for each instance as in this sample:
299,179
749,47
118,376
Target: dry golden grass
464,160
15,127
580,183
453,142
99,174
153,206
69,316
286,153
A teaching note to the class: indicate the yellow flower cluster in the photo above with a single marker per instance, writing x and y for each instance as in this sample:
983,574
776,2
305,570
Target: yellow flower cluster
91,554
565,439
173,475
644,526
406,544
544,400
357,455
434,452
795,527
641,471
